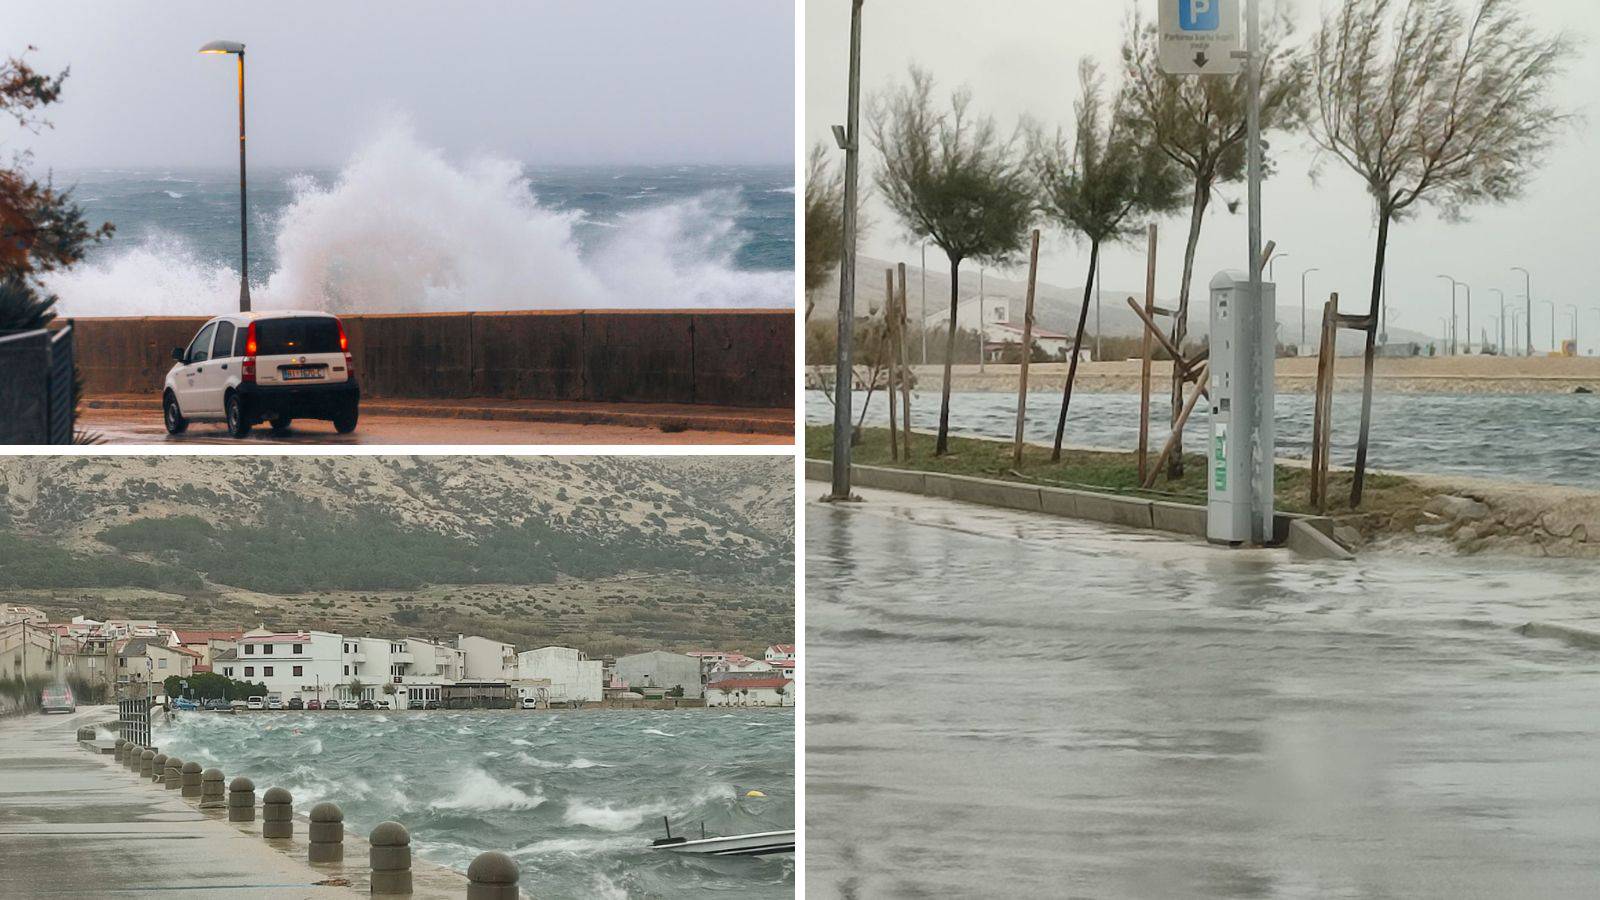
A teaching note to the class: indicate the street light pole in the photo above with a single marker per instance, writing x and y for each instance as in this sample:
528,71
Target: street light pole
1453,284
237,49
848,138
1552,305
982,338
924,302
1574,308
1527,293
1500,330
1273,263
1303,304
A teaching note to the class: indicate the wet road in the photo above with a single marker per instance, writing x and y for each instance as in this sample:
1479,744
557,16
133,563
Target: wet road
144,427
1053,708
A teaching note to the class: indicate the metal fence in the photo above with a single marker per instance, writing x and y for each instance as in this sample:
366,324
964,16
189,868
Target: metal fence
36,370
133,719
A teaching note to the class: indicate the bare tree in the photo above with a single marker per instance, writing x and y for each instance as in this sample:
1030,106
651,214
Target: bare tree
1199,123
1431,106
953,181
1095,188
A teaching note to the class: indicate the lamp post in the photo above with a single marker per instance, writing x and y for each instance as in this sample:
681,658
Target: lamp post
1453,285
1574,308
924,302
1303,304
848,137
237,49
1272,264
1527,293
1500,331
982,338
1498,339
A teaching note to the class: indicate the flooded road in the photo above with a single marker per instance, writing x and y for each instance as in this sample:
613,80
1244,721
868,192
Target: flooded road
1054,708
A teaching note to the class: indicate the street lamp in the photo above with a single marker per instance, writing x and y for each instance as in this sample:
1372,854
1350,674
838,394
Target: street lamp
237,49
1271,263
1527,293
1453,285
1303,303
1574,308
1500,332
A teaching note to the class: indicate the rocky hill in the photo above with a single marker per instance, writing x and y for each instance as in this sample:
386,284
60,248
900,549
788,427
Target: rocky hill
372,541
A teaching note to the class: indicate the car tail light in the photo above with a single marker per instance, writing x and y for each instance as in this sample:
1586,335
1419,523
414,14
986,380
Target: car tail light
344,344
247,372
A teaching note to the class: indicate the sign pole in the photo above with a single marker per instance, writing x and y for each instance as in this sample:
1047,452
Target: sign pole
1262,380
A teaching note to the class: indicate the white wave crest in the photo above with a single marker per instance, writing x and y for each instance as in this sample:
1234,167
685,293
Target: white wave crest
478,790
402,229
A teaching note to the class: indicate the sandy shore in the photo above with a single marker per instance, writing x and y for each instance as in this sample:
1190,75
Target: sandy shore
1442,375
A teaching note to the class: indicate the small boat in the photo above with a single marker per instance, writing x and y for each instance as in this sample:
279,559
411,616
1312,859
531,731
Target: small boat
760,843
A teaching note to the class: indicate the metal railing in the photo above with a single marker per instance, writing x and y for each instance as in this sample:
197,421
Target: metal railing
133,717
36,370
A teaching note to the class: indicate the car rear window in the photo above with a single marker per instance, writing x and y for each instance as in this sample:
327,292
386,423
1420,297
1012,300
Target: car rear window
283,337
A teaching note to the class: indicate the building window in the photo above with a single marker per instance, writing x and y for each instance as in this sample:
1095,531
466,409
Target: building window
250,649
161,664
297,649
228,671
266,648
299,670
266,672
249,671
347,670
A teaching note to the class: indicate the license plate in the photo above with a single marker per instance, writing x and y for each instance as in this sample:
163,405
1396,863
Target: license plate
301,374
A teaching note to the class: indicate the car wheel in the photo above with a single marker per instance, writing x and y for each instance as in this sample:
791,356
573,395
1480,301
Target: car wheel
238,426
170,414
281,424
345,421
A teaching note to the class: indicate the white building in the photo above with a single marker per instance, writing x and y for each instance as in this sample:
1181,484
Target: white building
739,664
487,660
305,664
572,674
780,653
660,669
750,692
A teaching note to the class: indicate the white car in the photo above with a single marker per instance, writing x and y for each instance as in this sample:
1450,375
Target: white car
277,366
274,703
256,703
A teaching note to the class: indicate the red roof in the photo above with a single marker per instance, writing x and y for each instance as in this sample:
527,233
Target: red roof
302,637
736,684
783,648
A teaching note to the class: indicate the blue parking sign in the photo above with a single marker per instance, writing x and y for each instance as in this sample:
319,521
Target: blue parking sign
1199,15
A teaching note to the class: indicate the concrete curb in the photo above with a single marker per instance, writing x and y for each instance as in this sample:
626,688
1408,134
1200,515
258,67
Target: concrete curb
1578,637
1306,535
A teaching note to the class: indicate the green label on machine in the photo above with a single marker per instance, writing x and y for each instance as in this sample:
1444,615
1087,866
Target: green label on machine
1219,459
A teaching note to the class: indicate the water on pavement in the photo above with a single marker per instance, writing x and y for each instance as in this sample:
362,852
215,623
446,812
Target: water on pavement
1053,708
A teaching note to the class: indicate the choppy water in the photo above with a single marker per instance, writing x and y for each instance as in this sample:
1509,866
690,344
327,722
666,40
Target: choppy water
1543,438
575,798
1061,709
401,228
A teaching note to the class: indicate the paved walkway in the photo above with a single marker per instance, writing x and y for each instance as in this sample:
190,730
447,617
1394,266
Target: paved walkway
73,824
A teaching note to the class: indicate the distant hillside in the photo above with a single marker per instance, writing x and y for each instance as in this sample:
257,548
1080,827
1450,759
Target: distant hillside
371,531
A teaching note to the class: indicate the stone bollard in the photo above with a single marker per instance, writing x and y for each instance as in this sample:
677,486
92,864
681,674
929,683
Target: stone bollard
327,833
241,800
118,752
147,764
130,756
213,793
158,768
493,876
172,779
391,858
277,814
191,779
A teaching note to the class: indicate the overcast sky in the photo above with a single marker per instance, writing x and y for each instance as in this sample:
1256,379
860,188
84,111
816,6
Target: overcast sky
543,81
1021,57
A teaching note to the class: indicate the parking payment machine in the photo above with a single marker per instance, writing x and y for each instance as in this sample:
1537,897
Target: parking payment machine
1239,456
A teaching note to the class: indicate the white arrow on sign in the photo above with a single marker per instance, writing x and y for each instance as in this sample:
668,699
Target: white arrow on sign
1199,37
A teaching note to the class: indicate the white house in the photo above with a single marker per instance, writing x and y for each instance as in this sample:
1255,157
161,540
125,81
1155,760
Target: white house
571,673
487,660
739,664
305,664
750,692
779,653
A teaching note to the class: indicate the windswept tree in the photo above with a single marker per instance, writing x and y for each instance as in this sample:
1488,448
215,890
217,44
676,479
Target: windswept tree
1430,106
824,221
1200,124
41,228
1098,186
954,181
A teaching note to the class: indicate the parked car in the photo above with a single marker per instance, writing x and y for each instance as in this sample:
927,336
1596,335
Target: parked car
275,367
296,703
57,699
414,704
256,703
331,704
433,704
274,703
237,705
215,704
365,704
529,703
380,704
313,704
